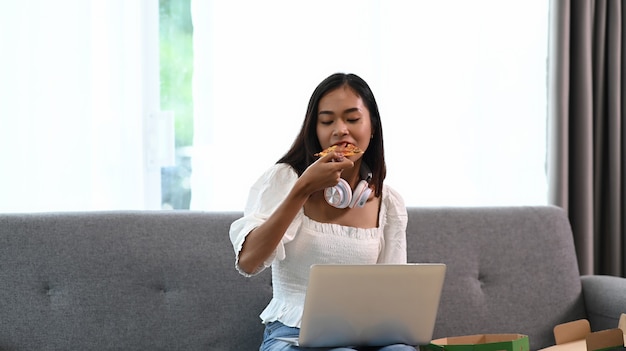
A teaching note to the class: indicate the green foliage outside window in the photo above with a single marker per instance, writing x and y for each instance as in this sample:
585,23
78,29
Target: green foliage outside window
176,46
176,72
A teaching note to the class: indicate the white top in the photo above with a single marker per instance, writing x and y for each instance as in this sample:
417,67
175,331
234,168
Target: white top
307,242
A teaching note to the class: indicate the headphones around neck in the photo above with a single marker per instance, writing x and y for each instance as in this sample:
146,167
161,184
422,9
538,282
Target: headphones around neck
342,196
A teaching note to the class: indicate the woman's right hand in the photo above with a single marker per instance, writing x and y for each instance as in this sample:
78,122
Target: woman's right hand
325,172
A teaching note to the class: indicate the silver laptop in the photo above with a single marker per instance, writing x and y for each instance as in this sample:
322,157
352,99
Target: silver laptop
370,305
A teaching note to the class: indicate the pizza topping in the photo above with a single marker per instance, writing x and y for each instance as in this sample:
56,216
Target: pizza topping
346,149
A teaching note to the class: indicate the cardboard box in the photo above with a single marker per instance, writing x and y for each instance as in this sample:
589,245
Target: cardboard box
481,342
577,336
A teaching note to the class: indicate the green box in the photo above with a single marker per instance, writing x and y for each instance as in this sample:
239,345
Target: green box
480,342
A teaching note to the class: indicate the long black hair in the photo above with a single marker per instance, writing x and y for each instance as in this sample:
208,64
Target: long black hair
300,155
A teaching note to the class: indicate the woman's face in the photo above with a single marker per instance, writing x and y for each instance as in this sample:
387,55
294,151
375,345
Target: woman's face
343,117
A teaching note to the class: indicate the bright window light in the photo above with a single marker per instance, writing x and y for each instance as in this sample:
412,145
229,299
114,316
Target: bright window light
461,87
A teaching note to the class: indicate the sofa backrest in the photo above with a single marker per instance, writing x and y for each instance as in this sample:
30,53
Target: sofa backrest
125,281
165,280
510,269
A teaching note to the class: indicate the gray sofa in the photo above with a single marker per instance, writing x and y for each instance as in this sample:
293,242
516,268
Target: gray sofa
165,280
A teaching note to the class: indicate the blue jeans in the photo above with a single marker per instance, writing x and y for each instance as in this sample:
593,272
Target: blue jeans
274,330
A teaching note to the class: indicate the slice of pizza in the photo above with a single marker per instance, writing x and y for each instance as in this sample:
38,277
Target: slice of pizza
346,149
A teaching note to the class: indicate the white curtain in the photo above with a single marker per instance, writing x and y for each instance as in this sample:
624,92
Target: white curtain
460,85
73,100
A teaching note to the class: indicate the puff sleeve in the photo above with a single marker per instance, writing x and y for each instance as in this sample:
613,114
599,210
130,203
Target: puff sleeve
267,193
394,230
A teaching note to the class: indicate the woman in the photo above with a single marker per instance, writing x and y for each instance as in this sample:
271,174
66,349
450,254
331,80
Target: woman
290,221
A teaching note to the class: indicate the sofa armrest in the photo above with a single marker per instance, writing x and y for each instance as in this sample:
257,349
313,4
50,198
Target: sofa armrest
605,300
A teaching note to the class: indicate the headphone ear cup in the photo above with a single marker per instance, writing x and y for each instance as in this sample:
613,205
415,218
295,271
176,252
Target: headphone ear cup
361,194
340,195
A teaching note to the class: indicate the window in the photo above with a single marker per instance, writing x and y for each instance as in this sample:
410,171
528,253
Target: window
176,73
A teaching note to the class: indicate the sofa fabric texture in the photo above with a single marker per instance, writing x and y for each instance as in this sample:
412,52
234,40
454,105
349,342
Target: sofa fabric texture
165,280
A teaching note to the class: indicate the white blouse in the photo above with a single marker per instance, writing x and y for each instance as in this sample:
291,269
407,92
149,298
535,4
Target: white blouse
307,242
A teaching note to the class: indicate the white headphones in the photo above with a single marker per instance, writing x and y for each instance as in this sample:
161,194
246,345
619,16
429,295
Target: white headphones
341,195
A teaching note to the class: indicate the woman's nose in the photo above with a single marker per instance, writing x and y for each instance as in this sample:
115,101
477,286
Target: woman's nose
340,129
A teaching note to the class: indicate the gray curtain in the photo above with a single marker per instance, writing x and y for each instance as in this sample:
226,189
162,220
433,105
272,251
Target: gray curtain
586,129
